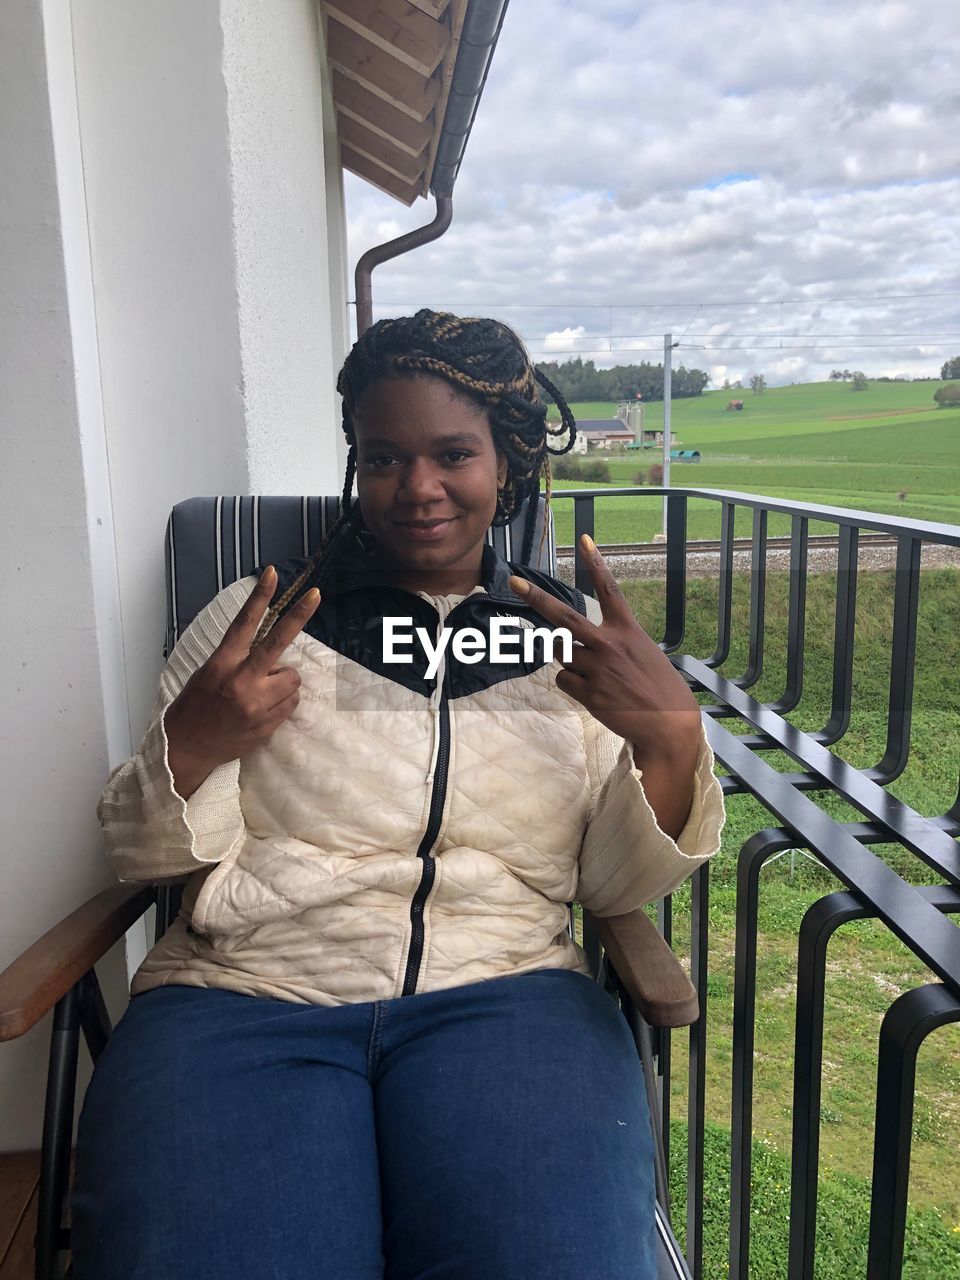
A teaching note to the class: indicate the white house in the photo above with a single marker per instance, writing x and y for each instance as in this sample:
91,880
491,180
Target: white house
601,433
173,310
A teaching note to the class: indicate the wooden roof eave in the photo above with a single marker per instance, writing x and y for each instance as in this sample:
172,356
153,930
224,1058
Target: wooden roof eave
392,66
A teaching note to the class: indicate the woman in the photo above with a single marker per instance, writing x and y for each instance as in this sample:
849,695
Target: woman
368,1046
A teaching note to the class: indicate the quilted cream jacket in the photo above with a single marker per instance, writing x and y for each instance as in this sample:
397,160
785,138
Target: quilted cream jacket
397,834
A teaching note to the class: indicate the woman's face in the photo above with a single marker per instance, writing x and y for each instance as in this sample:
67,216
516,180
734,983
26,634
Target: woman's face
427,477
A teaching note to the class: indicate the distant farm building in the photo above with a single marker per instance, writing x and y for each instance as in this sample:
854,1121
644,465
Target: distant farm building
610,433
652,439
601,433
684,455
631,414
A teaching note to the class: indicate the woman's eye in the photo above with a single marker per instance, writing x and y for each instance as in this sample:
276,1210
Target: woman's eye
381,460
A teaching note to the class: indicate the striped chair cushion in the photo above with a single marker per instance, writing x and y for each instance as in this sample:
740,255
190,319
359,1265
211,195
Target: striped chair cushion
212,542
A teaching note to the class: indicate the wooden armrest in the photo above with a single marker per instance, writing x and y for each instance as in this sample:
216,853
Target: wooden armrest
651,973
32,985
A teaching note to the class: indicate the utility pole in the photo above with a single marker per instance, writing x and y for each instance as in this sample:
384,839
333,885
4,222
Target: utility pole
668,345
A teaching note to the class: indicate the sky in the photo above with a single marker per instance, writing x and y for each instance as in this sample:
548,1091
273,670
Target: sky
776,185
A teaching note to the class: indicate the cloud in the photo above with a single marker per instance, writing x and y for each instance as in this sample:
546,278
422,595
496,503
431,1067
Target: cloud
721,172
565,340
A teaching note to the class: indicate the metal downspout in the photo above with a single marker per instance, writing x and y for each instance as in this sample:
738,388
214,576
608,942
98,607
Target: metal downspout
393,249
481,29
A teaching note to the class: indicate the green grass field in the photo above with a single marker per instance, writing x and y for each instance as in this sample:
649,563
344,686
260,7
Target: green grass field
867,967
819,442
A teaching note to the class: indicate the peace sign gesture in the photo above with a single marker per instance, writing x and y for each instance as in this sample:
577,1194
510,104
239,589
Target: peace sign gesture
617,671
238,697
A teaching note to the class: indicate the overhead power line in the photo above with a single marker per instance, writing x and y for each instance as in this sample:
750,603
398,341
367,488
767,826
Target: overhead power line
690,346
769,333
829,346
595,351
689,323
737,302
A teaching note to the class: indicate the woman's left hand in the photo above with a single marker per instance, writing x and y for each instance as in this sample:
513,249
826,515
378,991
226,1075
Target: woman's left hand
618,672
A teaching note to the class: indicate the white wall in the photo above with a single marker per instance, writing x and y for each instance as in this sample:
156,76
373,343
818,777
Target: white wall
170,325
291,343
154,130
62,702
203,152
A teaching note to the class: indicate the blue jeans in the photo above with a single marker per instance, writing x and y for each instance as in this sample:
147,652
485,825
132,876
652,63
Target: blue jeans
494,1130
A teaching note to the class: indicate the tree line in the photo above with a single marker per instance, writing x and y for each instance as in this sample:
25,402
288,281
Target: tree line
579,380
949,369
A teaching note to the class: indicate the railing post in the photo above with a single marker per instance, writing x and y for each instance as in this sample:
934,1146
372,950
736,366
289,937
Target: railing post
820,922
906,603
843,638
728,519
697,1089
753,855
664,1063
583,522
676,570
907,1023
758,600
796,617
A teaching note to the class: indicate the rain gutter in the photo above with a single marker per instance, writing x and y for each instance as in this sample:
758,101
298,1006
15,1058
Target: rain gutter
478,39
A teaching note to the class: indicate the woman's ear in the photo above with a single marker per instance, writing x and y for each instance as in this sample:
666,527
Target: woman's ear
501,469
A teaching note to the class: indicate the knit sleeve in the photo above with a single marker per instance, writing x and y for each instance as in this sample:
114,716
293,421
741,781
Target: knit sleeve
150,832
626,860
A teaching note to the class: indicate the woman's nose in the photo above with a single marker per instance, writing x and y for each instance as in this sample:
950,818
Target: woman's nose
420,480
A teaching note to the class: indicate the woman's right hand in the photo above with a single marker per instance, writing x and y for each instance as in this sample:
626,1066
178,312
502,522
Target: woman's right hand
236,700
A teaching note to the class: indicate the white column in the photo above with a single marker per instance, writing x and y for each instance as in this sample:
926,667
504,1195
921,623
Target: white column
171,323
203,146
62,689
288,244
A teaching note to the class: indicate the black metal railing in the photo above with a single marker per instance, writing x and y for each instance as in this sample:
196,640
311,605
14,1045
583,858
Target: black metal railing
918,915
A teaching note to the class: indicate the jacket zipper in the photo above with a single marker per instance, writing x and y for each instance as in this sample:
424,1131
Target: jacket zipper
437,799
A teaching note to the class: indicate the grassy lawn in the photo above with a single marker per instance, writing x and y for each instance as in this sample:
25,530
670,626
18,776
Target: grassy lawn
867,967
821,442
843,1210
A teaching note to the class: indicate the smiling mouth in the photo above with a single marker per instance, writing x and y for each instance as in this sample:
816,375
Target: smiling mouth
424,531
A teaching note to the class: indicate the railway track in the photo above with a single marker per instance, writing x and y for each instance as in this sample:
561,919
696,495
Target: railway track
739,544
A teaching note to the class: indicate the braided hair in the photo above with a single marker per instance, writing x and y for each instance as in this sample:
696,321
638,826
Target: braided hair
483,360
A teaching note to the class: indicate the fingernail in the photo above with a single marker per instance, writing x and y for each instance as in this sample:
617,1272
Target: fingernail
589,543
312,596
520,585
268,574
